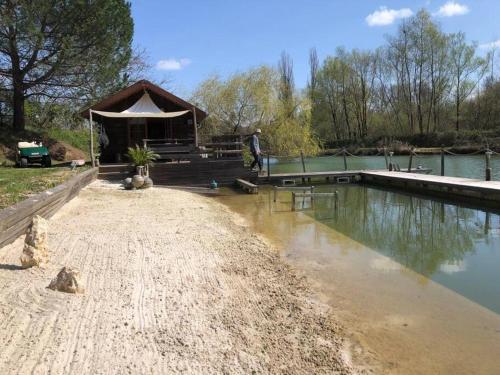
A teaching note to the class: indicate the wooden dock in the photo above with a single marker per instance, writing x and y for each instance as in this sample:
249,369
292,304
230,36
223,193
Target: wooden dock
485,193
247,186
472,191
328,176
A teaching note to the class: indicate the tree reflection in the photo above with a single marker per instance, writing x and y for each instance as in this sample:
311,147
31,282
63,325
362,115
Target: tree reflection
421,234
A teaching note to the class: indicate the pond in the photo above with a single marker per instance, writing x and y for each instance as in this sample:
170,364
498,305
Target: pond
406,274
455,166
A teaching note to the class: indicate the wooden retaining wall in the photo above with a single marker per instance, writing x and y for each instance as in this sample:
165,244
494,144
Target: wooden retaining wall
15,220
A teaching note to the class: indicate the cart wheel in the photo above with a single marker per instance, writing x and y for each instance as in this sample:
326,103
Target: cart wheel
24,163
47,163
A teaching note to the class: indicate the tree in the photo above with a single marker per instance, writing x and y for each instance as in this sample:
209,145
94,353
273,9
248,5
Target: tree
238,103
54,48
467,70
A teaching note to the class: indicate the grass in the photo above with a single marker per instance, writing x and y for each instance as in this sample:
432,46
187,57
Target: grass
17,184
77,138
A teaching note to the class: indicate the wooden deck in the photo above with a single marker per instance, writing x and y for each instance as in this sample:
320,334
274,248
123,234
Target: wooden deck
328,176
486,193
475,192
185,173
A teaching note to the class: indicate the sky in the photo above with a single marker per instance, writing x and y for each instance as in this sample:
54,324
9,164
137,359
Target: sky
188,41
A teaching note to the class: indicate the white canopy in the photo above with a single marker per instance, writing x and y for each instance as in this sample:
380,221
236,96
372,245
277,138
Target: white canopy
143,108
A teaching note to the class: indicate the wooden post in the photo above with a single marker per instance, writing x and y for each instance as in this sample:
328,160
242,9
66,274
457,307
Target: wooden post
488,165
303,163
275,191
344,151
385,156
293,201
92,158
268,169
410,161
195,128
442,161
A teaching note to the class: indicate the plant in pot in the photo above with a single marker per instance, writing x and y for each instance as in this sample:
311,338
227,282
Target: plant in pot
141,158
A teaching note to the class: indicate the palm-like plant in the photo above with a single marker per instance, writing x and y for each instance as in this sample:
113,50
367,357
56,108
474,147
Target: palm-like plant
141,156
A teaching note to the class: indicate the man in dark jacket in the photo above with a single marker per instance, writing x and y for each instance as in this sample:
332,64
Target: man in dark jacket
255,150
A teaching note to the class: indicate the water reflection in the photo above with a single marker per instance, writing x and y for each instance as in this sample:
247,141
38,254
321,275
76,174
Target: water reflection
456,246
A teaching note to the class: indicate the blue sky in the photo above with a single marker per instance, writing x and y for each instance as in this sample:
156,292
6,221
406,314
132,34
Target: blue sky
187,41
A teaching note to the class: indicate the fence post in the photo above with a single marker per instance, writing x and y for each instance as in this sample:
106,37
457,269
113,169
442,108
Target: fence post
411,157
293,201
268,168
390,161
442,161
303,163
385,156
344,152
488,165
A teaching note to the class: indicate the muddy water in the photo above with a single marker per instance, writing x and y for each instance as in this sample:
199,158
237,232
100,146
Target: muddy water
415,281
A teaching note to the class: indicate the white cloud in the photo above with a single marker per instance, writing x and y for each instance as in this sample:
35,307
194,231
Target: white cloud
172,64
491,45
384,16
450,268
452,8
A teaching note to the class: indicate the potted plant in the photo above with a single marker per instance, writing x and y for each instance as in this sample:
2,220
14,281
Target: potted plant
142,158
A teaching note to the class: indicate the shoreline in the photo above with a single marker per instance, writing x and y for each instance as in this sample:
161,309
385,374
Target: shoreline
405,150
175,282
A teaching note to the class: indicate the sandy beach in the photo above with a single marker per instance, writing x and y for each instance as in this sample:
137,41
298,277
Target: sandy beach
174,283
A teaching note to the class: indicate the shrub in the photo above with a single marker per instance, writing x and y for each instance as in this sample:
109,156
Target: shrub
141,156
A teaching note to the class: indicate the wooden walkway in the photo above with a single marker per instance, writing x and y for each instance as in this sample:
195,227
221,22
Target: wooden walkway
329,176
473,191
486,193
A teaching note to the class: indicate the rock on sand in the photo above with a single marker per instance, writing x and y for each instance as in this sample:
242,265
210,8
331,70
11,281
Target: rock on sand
35,245
67,280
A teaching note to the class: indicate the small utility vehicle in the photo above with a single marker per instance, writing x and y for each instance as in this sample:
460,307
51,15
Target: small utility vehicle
32,153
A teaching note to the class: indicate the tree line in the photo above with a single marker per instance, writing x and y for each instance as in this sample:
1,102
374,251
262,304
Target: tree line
56,56
422,81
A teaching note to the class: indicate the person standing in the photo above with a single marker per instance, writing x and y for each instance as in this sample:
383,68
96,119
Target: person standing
255,150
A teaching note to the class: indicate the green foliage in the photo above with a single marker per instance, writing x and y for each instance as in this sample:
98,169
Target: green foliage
70,49
141,156
255,99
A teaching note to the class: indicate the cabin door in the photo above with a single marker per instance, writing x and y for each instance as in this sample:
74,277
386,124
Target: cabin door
156,128
137,131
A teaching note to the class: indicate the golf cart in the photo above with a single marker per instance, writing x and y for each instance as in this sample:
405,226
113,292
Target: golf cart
32,153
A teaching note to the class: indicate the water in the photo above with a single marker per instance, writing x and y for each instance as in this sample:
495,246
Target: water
455,166
455,246
407,274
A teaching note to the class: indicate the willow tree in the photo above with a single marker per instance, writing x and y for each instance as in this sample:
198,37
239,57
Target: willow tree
54,48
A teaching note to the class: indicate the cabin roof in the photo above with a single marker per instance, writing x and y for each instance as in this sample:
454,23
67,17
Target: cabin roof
140,86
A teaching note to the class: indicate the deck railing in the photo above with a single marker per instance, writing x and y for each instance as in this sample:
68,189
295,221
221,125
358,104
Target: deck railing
176,149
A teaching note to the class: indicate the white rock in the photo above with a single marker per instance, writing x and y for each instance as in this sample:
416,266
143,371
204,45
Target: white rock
35,251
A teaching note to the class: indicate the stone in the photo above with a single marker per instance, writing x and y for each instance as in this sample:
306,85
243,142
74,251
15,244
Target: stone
137,181
148,182
127,183
68,281
35,251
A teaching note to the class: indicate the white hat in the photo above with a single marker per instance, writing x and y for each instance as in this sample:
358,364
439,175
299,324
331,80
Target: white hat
258,130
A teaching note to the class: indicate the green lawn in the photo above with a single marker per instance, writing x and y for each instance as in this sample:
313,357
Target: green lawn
17,184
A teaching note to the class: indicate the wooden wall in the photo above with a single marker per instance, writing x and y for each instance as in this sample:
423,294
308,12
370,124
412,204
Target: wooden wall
200,173
15,220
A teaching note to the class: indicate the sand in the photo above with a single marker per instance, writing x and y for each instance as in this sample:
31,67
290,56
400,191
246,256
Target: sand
174,283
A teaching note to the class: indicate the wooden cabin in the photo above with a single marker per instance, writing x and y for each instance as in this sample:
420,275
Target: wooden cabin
123,132
146,115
